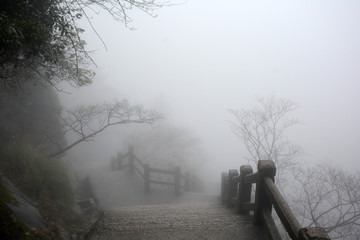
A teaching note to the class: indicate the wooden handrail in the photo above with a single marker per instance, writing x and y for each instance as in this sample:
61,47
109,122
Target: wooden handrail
267,197
144,170
283,210
164,171
138,160
142,174
251,178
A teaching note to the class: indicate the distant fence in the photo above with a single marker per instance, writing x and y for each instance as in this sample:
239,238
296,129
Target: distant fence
180,182
236,192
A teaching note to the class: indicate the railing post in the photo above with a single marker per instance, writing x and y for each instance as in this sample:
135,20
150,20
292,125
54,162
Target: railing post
266,168
267,195
113,164
317,233
187,182
232,193
147,178
177,181
244,189
120,163
131,159
224,186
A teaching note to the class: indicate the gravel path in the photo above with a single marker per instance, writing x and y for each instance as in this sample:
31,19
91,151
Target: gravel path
193,220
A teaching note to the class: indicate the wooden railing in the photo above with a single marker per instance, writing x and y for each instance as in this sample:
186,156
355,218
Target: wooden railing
236,192
180,182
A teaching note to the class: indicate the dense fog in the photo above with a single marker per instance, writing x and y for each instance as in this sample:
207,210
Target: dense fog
93,91
196,60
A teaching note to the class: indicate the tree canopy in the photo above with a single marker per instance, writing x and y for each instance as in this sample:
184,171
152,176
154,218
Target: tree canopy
42,37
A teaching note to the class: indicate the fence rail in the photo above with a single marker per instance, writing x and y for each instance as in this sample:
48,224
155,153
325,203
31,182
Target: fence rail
236,192
180,182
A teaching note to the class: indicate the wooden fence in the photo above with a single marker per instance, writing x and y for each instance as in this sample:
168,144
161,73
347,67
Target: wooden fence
180,182
236,192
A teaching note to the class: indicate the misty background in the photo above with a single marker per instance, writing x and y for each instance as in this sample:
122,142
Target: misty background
198,59
202,88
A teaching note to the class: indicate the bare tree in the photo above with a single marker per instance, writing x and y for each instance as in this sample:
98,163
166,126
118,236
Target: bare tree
262,130
325,196
166,145
329,197
86,122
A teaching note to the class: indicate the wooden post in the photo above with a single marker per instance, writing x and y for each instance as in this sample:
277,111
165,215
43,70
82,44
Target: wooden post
147,178
266,168
120,163
187,182
224,179
317,233
232,193
177,181
244,190
131,159
113,164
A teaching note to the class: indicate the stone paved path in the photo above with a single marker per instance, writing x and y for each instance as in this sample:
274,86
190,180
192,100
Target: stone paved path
192,220
121,188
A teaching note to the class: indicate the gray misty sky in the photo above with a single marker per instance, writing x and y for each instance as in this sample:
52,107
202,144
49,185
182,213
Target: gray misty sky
199,59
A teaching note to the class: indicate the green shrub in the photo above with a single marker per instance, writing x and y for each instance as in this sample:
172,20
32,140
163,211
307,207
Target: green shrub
36,175
10,228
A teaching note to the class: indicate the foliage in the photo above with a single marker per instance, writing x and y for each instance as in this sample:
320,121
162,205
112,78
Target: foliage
31,115
39,177
39,37
42,38
44,180
5,195
262,130
29,127
10,228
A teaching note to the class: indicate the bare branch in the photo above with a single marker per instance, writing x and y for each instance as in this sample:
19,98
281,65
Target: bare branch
87,122
330,198
262,129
